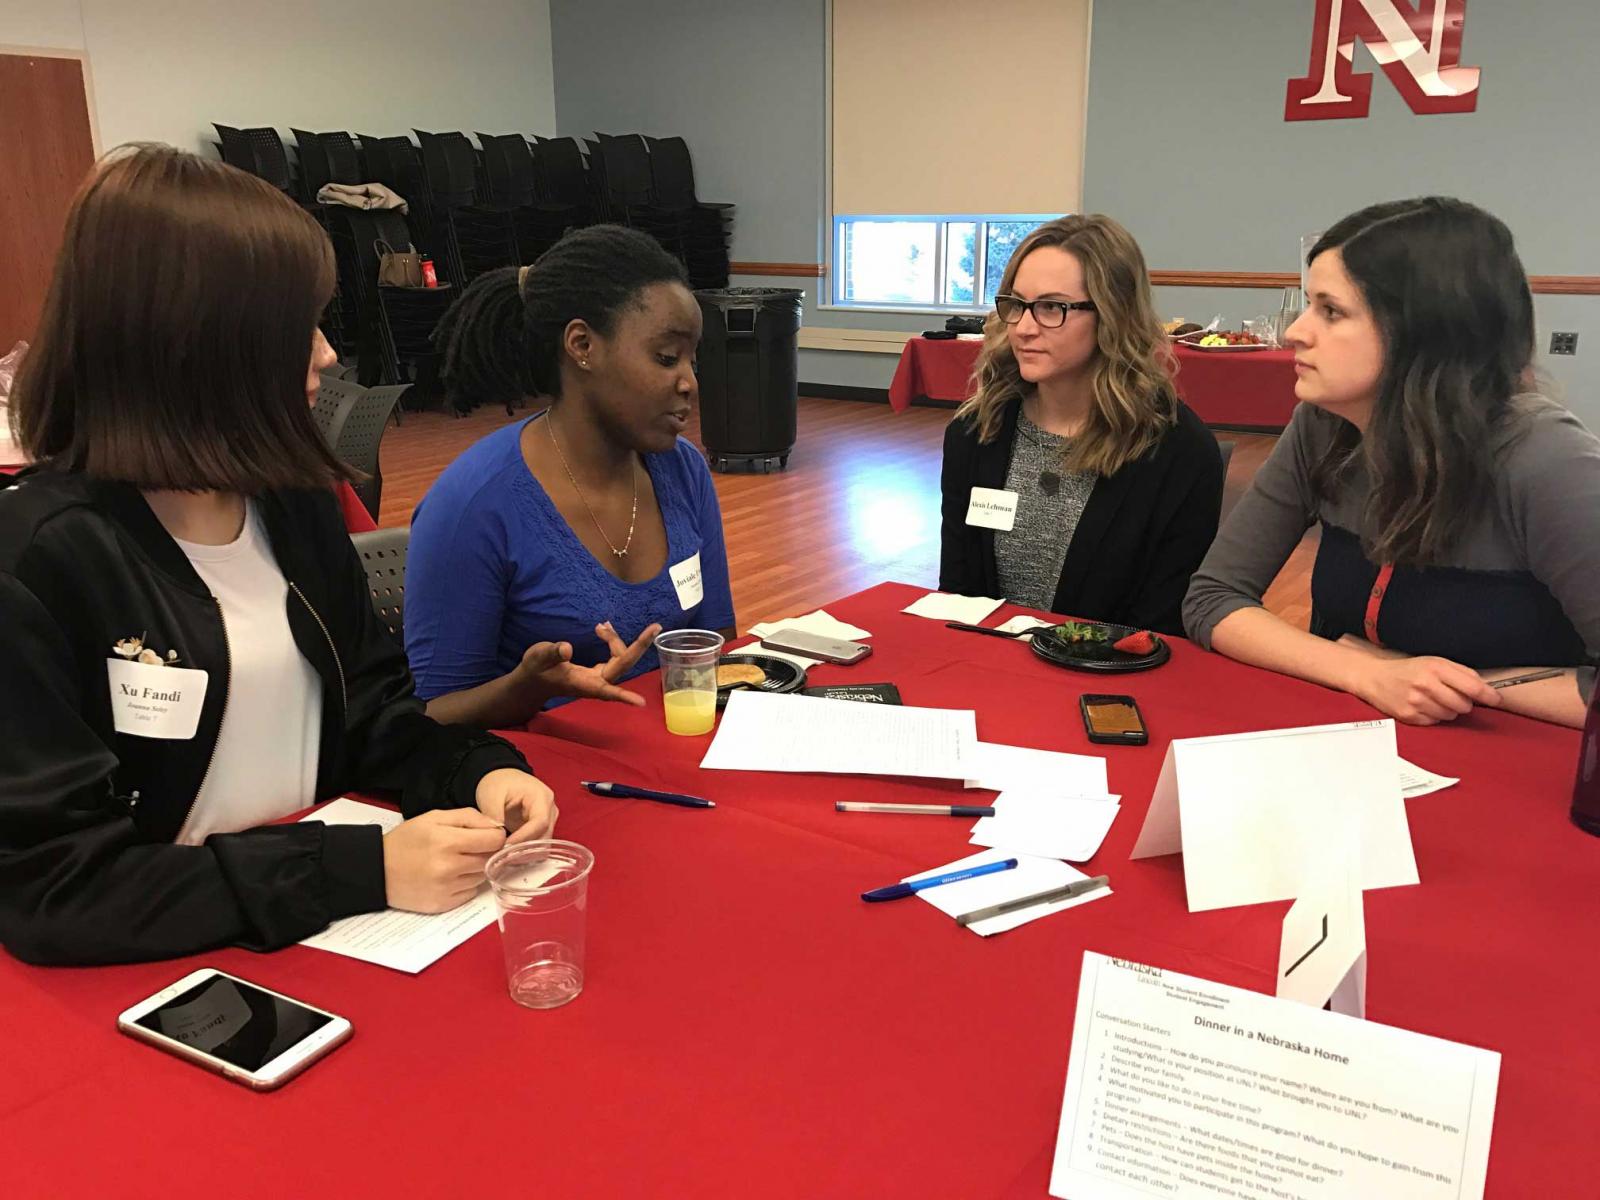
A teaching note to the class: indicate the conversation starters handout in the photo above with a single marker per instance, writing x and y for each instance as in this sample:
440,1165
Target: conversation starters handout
1177,1086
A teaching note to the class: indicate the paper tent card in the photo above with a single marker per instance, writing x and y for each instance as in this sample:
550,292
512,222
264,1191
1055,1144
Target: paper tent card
1322,960
1255,813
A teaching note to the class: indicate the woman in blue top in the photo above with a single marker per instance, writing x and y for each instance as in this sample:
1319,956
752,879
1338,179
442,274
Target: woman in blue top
593,510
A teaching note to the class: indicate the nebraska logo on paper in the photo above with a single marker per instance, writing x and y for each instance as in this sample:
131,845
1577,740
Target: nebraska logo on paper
1419,50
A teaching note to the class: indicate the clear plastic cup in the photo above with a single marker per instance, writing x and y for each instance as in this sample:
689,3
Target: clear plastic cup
689,679
542,889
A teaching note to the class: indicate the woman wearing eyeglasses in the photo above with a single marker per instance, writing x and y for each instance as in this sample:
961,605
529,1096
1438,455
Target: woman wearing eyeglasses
1074,480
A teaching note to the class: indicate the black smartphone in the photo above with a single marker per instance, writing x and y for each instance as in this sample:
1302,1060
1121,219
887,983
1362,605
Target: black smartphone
1113,720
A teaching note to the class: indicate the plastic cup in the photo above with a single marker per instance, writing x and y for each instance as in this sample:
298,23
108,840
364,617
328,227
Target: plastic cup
542,890
689,679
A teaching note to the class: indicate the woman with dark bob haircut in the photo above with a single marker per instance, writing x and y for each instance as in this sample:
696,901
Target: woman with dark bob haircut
1460,509
192,651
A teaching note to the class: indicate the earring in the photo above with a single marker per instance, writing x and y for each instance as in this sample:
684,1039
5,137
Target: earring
584,363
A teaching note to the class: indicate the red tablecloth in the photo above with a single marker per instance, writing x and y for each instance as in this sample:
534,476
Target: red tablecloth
1249,389
750,1028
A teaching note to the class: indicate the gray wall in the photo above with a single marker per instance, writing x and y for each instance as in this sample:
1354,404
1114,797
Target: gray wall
744,81
1238,196
741,80
162,70
1186,141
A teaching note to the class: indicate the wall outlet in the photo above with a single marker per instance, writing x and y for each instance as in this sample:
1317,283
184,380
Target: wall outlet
1563,343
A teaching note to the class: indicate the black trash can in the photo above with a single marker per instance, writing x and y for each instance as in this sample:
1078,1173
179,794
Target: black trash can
749,376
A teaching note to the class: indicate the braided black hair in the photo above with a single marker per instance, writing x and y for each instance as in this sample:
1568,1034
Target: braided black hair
500,342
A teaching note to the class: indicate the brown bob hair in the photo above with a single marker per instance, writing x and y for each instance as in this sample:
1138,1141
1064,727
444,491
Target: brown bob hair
174,344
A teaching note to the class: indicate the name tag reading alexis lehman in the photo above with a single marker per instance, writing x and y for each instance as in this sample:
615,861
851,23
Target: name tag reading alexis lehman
991,508
155,701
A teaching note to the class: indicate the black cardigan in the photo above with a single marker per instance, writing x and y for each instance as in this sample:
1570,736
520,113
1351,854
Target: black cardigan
1142,533
88,868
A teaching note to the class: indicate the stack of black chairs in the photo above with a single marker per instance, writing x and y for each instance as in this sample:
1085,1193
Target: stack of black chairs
450,177
473,209
648,183
386,330
259,151
332,158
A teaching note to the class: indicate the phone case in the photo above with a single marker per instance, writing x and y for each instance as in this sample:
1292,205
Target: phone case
326,1040
1138,737
832,650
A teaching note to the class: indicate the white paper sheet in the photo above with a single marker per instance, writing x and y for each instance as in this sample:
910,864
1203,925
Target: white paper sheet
1003,768
1252,812
1031,875
1419,781
760,731
404,941
940,606
820,623
1181,1087
1048,826
1022,625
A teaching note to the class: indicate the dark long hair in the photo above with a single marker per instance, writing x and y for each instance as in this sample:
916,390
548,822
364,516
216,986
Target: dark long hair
174,343
501,341
1451,302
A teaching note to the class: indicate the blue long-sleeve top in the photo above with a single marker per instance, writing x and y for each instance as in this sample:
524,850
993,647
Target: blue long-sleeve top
493,567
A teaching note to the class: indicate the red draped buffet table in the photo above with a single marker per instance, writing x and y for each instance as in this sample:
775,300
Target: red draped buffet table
1251,389
751,1028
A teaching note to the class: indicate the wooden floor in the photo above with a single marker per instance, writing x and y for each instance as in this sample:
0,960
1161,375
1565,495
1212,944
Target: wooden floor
859,503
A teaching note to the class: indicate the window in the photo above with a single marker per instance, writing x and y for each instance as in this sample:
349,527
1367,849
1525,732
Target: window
922,262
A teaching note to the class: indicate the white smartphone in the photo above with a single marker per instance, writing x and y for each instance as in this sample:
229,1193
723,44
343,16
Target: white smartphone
239,1030
834,650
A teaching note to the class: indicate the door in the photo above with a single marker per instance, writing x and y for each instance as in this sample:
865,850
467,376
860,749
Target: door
46,149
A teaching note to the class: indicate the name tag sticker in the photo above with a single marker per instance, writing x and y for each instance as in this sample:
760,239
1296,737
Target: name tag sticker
155,702
686,579
991,508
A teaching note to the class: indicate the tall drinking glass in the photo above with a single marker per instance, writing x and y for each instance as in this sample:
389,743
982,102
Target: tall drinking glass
689,678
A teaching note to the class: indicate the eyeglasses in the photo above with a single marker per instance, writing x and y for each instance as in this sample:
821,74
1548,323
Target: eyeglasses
1049,314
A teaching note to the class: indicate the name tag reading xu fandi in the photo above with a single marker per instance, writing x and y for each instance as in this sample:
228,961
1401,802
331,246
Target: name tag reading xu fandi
155,701
991,508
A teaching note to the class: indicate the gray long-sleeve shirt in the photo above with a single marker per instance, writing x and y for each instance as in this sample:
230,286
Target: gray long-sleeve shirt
1522,587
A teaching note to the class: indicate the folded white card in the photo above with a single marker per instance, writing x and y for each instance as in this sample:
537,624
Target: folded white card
760,731
1252,812
1029,877
1049,826
1001,768
1180,1087
941,606
1322,959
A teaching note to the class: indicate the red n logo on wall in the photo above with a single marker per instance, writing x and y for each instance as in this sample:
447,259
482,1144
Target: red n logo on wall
1419,50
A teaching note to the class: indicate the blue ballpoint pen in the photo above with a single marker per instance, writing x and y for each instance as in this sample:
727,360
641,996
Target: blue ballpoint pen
624,791
896,890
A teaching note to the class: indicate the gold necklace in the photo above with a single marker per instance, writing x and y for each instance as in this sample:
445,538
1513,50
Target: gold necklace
549,419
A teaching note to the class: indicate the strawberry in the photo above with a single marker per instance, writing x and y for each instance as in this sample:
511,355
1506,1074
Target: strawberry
1141,643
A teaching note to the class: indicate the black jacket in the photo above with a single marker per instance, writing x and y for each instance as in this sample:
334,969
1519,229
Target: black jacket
1142,533
88,868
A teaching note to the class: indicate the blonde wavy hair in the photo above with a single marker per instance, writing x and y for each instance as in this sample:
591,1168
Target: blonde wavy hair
1130,376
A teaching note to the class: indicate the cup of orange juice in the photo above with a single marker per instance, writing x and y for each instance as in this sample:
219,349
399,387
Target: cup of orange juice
689,679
